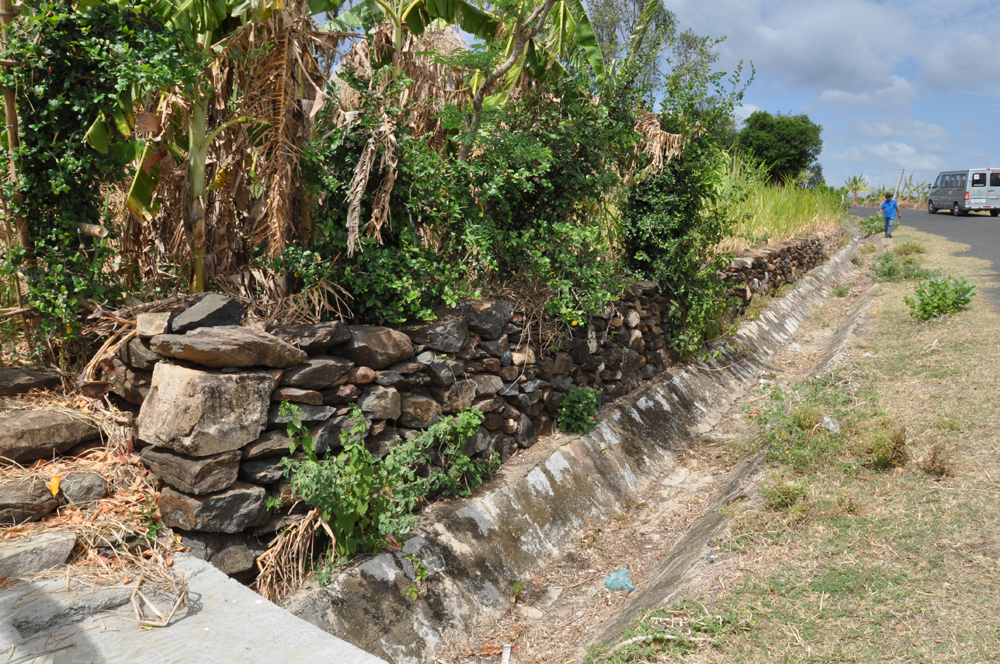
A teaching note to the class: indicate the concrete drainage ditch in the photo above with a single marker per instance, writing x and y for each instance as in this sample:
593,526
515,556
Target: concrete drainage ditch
475,549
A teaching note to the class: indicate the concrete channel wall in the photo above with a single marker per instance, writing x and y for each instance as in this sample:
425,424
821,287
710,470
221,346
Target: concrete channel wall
475,549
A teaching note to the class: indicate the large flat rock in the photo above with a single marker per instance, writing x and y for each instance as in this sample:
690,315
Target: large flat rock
25,500
230,511
197,475
200,413
27,435
22,381
213,310
224,623
317,373
230,346
313,337
35,554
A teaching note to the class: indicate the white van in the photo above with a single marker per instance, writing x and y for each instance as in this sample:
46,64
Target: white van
966,191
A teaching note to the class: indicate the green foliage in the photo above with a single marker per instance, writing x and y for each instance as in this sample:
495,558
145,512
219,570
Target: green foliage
781,493
842,290
788,144
578,410
872,225
273,503
77,64
940,296
881,445
365,499
151,517
518,211
889,268
908,248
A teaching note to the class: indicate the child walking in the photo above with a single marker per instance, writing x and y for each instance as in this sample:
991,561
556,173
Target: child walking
890,212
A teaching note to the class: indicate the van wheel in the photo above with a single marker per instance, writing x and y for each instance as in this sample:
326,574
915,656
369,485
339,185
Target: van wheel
994,213
954,210
930,207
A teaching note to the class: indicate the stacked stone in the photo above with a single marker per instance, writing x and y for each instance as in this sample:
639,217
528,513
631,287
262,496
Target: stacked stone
765,270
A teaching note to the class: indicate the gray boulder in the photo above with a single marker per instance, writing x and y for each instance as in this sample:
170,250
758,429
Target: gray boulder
307,414
213,310
262,471
231,511
317,373
36,554
487,384
130,384
138,355
380,403
200,413
418,412
375,347
487,319
229,346
25,500
149,325
314,337
445,337
79,488
22,381
232,554
197,475
28,435
460,395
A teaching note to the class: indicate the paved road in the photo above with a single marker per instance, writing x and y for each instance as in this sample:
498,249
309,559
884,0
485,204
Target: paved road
978,230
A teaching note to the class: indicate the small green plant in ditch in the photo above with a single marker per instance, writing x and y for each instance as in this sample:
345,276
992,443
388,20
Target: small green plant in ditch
781,494
872,225
420,574
940,296
842,290
889,268
869,249
881,445
273,503
578,410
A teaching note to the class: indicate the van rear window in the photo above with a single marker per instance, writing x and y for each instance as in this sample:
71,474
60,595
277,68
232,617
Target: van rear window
979,179
995,179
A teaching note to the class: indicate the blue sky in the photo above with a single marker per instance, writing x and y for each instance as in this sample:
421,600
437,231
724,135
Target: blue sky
895,84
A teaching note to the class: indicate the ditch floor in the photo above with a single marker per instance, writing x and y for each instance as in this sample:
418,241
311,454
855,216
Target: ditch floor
565,608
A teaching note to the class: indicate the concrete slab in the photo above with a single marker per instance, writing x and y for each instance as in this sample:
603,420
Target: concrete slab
225,622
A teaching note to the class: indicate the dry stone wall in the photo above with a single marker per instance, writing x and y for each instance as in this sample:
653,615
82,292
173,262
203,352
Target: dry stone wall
208,391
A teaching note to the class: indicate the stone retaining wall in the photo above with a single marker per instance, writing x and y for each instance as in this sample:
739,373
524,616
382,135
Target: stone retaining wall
209,389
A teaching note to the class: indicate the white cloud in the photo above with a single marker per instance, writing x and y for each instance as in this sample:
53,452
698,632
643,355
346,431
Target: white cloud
745,110
888,127
898,93
904,156
967,64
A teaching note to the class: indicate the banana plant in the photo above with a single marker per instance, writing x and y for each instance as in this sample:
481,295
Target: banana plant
206,26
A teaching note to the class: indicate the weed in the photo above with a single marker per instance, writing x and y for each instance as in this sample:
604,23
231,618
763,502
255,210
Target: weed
869,248
578,410
938,463
889,268
807,417
909,247
842,290
939,296
881,444
273,503
676,631
781,494
518,588
151,515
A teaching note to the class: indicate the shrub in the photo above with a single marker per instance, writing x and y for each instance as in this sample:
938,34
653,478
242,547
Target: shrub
364,499
938,463
889,268
872,225
578,410
940,296
842,290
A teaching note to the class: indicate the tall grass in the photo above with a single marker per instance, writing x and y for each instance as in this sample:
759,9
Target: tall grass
764,214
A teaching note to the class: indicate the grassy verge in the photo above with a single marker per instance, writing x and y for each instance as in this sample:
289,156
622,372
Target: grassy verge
877,543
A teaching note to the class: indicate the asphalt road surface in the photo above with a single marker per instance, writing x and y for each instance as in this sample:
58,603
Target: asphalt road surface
978,230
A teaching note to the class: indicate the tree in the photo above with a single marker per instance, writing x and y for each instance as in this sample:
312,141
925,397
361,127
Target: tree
856,184
787,144
615,21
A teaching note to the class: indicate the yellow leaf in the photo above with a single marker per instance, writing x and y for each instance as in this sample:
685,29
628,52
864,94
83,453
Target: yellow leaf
54,484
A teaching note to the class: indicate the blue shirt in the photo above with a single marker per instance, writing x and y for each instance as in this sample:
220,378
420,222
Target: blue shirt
889,209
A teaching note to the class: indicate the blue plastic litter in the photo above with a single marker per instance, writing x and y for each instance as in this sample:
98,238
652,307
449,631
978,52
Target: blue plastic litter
619,581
